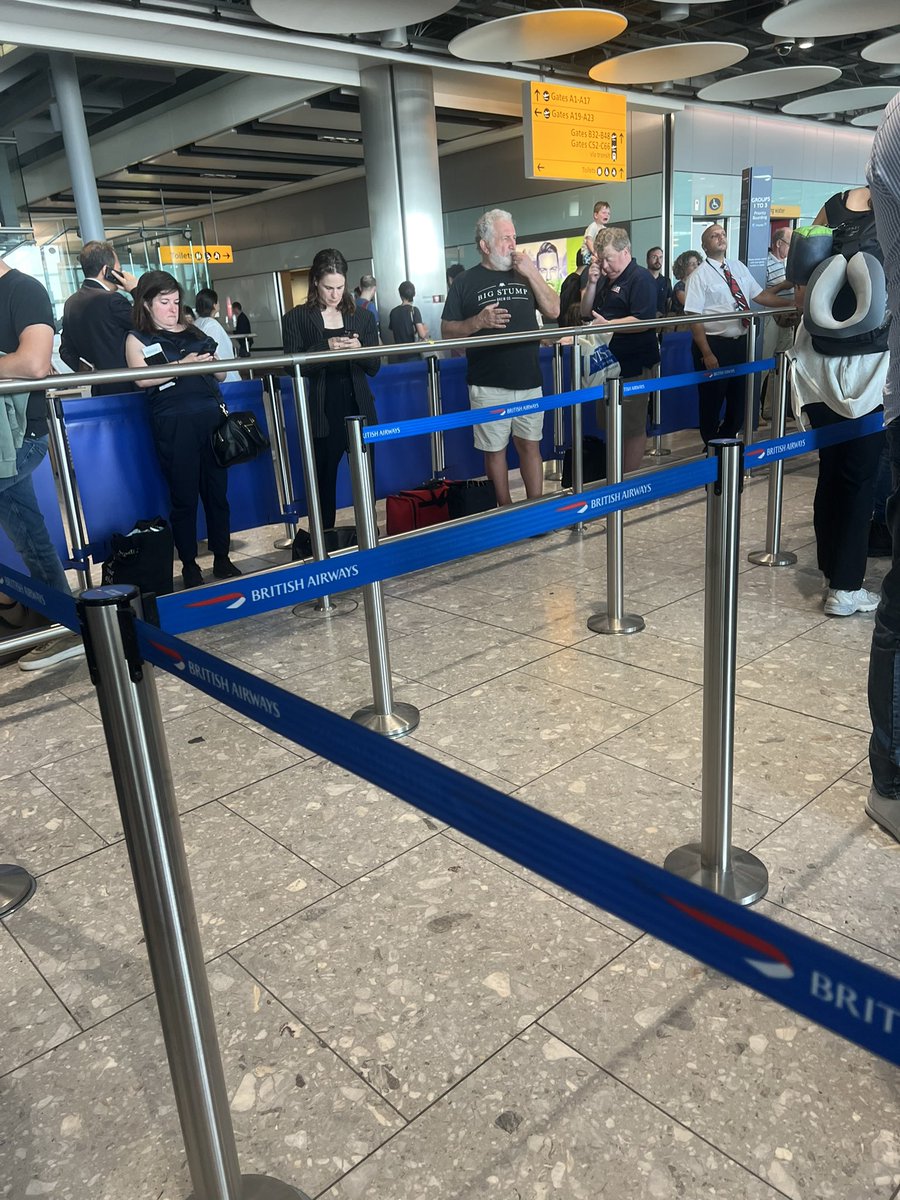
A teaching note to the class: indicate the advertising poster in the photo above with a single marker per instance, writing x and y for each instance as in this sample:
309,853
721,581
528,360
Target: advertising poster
552,258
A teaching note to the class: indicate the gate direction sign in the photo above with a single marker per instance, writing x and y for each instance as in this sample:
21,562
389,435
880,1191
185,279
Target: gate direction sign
573,133
173,255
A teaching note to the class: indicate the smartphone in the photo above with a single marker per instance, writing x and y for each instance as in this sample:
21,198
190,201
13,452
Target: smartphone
154,356
110,275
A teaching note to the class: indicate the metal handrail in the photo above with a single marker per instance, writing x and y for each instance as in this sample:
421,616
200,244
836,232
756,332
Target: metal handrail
289,362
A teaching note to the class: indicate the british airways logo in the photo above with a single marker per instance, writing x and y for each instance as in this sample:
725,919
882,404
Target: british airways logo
175,658
229,599
761,955
578,506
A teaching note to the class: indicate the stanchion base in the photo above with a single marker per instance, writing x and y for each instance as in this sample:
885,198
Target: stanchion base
763,558
283,543
340,606
264,1187
627,623
660,453
745,883
403,719
16,888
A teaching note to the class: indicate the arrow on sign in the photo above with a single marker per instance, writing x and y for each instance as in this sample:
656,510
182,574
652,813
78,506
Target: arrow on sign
540,166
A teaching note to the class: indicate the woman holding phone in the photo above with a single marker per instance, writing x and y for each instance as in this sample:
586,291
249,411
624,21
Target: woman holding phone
330,320
183,413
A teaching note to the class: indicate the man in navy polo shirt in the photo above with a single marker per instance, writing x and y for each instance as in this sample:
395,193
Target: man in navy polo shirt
619,293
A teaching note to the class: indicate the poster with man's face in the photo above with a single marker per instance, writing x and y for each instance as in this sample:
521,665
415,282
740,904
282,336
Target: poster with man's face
551,259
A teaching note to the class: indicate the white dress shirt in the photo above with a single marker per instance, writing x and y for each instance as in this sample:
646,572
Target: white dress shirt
708,293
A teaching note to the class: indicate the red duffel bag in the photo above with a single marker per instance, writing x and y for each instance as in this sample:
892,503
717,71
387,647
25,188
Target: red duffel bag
418,507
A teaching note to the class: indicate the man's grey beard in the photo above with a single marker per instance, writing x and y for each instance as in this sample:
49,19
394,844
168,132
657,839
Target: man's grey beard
500,262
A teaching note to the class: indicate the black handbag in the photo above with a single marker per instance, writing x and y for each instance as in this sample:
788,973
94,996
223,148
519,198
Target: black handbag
238,439
465,497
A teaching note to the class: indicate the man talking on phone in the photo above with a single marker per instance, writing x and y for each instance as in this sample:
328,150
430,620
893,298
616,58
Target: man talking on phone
97,318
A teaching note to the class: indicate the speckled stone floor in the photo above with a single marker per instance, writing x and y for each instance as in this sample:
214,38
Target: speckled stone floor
406,1015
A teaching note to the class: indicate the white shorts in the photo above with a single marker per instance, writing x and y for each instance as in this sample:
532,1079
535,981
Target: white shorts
494,435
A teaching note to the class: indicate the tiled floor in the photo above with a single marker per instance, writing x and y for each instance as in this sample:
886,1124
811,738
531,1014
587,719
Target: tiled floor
406,1015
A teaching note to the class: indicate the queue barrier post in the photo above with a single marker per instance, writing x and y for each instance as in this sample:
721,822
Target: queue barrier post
713,862
750,385
559,428
615,619
435,409
773,555
284,484
325,606
657,450
71,501
136,743
386,715
17,887
577,437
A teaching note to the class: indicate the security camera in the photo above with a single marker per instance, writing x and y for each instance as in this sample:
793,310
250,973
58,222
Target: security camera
784,47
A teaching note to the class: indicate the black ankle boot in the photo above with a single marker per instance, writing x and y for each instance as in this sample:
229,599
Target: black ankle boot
224,568
191,574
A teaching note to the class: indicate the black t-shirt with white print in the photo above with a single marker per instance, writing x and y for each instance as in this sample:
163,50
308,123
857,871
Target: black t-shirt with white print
23,302
516,367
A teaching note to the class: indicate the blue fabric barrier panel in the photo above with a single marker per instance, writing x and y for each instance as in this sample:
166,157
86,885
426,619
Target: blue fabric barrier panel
850,998
282,586
48,502
115,431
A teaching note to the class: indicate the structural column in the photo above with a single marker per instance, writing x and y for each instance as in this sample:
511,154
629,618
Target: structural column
78,148
403,183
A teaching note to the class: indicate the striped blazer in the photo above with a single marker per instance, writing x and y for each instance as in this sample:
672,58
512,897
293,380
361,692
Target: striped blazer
303,332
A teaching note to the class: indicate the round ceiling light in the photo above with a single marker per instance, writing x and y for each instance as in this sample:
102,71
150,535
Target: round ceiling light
683,60
347,16
869,120
885,50
831,18
842,101
763,85
538,35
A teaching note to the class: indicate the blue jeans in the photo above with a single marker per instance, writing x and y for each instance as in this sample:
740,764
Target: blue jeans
23,522
884,662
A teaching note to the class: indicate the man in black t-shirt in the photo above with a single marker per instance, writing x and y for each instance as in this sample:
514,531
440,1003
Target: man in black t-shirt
26,342
619,293
502,294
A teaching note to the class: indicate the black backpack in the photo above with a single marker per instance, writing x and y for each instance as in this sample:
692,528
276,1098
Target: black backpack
855,235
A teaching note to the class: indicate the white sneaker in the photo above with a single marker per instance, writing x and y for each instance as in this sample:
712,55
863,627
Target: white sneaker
48,654
845,604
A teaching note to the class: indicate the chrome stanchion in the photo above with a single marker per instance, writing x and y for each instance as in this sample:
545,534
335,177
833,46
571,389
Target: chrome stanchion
615,619
71,501
386,715
136,743
657,450
325,606
435,408
750,387
34,637
281,464
773,555
577,437
16,888
559,426
713,862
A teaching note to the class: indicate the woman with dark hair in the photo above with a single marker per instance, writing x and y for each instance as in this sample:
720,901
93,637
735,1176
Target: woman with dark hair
330,320
183,414
683,268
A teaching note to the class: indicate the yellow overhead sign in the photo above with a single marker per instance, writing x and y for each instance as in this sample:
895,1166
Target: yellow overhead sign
174,255
573,133
784,210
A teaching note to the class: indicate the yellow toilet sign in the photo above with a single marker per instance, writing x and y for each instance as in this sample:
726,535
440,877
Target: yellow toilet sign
573,133
181,255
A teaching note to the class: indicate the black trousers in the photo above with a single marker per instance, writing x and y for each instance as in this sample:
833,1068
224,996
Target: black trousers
328,452
715,393
193,475
842,509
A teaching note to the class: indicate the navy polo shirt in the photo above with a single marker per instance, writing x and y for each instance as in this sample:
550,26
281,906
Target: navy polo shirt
633,294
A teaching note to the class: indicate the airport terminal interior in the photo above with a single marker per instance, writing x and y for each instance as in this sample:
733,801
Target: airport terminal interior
403,1012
